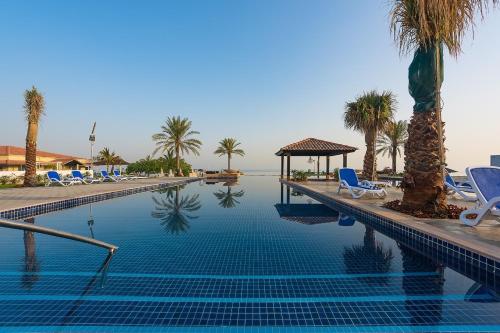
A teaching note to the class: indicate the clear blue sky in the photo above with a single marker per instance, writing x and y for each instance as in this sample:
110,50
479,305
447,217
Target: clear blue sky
266,72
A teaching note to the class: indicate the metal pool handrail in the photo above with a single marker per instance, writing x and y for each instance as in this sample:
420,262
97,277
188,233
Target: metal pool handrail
53,232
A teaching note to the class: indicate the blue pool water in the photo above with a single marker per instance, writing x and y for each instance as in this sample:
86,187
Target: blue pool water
217,258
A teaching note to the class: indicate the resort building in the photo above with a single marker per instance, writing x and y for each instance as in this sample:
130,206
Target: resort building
13,159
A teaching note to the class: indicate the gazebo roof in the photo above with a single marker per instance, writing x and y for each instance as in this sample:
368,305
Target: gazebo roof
315,147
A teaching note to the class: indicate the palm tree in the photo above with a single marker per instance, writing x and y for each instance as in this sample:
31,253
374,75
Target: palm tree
369,257
427,26
227,146
31,263
393,138
108,157
34,105
173,211
175,136
369,114
228,199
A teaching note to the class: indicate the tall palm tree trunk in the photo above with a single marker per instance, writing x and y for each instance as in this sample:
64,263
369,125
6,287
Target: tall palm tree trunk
31,140
394,158
178,161
369,163
228,162
423,183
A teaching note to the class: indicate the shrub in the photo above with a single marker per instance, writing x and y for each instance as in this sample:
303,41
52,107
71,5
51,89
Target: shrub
336,174
299,175
4,180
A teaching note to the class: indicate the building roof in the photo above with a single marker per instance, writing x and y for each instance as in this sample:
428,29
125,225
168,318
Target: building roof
13,150
314,147
307,213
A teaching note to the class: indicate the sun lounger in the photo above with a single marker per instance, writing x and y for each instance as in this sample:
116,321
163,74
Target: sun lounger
460,188
77,175
106,177
486,183
54,178
118,176
349,180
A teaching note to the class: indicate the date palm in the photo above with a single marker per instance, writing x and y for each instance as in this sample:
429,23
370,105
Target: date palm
34,105
427,27
108,157
174,212
228,146
228,199
392,140
369,114
176,136
370,257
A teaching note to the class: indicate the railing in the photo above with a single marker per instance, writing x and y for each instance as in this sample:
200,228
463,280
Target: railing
53,232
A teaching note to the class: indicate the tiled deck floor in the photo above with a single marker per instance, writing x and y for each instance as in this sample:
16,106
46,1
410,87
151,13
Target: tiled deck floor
21,197
484,238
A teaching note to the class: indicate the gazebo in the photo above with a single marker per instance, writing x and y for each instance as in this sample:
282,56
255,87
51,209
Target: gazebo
313,147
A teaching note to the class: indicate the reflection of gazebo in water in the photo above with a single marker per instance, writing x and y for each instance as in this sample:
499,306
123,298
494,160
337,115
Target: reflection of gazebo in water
313,148
307,213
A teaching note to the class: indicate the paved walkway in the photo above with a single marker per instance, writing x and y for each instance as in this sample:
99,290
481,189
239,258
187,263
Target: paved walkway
13,198
484,238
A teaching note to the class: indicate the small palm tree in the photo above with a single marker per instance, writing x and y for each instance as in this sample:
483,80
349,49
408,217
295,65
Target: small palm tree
426,27
108,157
176,137
227,146
228,199
173,211
34,105
369,114
392,140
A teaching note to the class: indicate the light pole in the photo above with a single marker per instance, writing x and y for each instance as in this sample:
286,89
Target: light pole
92,141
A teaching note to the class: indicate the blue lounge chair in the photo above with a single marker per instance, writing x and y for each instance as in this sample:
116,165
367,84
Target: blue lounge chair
107,177
77,175
118,176
349,180
460,188
346,220
486,183
55,178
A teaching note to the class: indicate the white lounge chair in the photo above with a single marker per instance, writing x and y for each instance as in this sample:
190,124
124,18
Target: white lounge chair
107,177
349,180
460,188
77,175
486,183
55,178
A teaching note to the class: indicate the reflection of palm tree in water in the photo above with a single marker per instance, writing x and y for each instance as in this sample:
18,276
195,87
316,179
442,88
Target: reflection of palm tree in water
31,264
371,257
431,312
172,210
228,199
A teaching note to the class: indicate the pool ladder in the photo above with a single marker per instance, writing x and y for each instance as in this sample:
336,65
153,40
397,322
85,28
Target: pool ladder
57,233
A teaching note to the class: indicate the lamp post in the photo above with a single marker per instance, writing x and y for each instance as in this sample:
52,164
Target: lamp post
92,141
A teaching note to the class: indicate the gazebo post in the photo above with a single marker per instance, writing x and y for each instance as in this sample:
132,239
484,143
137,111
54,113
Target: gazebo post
282,166
288,167
344,162
327,167
317,171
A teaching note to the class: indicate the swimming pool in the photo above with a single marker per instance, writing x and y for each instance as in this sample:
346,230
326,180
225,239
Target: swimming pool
254,256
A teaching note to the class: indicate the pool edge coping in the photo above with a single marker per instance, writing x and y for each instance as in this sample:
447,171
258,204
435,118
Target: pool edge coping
61,204
483,249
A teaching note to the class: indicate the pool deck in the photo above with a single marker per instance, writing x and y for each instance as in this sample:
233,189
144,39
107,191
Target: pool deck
483,239
15,198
